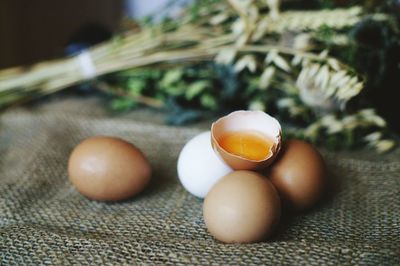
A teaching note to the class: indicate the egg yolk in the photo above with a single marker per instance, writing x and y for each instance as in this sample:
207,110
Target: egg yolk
251,145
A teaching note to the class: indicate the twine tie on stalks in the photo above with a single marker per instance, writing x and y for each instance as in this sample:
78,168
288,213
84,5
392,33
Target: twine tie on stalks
86,65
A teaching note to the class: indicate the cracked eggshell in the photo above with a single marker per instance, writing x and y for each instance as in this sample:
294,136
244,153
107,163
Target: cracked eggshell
256,121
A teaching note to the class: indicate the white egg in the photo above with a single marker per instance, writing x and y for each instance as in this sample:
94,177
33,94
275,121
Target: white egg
199,167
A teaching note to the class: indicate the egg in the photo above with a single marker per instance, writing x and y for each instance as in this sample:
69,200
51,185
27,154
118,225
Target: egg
299,174
108,169
199,167
243,207
247,140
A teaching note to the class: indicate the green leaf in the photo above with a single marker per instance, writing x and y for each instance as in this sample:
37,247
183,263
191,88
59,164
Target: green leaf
136,86
177,89
122,104
208,101
195,89
171,77
160,96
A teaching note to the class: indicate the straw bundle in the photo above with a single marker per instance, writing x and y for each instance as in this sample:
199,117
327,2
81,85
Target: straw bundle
189,42
147,47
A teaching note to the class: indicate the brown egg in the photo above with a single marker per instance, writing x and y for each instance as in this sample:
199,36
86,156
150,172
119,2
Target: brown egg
108,168
299,174
243,207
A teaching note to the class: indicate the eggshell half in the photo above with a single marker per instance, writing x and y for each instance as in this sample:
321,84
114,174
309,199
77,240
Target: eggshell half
247,121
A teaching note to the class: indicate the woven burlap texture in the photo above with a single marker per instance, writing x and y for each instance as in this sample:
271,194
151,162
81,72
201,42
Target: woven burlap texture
44,220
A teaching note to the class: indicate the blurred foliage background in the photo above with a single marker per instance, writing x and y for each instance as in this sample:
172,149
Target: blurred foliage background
327,69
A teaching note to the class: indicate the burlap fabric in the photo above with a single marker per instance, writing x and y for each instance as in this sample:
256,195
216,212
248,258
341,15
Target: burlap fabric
44,220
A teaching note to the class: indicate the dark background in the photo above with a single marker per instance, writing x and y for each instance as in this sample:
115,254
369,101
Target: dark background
31,31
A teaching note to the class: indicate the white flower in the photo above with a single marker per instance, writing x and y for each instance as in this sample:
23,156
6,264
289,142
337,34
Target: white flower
384,145
266,78
247,61
302,42
226,56
257,106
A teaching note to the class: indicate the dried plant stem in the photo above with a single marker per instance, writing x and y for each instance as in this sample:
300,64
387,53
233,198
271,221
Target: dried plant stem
117,91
